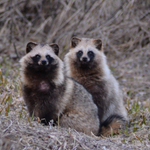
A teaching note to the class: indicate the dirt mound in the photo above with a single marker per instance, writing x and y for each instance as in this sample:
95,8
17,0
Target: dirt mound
18,134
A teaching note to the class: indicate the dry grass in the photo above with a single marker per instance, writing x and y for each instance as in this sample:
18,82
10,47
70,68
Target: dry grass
124,28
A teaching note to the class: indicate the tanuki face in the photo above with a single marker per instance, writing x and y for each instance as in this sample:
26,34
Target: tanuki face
85,52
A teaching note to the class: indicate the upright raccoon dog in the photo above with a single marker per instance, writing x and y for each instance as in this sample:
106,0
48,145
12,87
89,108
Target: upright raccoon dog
86,63
49,94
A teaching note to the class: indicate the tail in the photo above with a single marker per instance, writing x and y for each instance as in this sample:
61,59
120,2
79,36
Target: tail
112,125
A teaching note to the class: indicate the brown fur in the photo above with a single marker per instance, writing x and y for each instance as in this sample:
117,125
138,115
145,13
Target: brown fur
50,95
96,77
113,128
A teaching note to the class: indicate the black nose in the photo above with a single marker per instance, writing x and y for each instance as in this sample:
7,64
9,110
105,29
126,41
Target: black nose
84,59
43,62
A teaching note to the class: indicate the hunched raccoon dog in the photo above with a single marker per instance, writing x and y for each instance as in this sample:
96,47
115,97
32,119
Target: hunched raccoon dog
50,95
86,63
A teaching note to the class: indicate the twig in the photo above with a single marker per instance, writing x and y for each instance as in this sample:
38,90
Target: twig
16,50
8,127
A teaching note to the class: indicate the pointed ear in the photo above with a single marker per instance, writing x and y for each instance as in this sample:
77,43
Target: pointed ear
98,44
55,48
30,46
75,41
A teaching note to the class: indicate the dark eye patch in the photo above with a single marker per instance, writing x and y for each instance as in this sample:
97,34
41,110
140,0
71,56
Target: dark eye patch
79,54
91,54
49,58
36,58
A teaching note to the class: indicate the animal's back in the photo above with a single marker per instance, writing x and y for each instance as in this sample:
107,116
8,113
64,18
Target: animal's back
81,111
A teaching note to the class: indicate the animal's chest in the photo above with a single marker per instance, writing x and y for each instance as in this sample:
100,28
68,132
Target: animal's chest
96,88
43,86
92,84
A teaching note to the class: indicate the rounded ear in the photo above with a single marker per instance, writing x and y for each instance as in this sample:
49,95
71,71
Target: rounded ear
55,48
98,44
30,46
75,41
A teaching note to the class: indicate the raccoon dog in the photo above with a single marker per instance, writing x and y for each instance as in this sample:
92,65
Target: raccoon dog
50,95
86,63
